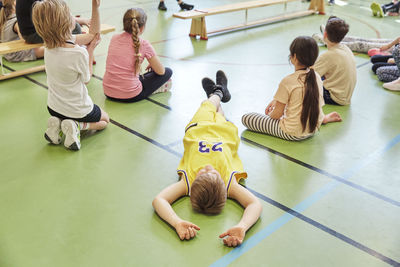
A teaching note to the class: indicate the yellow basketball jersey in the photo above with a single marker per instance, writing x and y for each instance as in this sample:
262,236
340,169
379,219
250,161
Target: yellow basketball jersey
213,142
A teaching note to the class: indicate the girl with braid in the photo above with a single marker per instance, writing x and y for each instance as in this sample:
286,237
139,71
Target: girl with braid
296,112
122,80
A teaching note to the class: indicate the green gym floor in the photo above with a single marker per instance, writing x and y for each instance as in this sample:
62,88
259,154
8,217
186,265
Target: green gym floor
332,200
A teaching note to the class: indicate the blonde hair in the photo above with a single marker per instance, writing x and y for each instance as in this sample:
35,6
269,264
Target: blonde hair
134,19
5,13
53,22
208,194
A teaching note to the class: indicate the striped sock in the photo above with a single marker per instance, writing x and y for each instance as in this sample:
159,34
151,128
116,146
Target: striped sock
219,93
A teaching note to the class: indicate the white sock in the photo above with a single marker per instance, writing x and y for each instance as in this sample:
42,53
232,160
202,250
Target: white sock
84,125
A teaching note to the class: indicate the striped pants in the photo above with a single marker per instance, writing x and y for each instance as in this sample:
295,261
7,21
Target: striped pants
264,124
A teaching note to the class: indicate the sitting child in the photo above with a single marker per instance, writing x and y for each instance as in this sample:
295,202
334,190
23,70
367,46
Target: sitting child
69,68
379,61
296,111
392,9
10,32
126,53
27,29
390,74
210,169
337,66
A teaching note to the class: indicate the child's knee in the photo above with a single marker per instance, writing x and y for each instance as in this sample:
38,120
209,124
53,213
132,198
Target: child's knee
168,72
104,116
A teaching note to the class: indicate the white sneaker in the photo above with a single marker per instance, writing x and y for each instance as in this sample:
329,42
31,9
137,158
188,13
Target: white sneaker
53,133
72,134
393,86
164,88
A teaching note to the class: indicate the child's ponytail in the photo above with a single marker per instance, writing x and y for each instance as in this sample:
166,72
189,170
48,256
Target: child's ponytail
5,11
134,20
306,51
310,111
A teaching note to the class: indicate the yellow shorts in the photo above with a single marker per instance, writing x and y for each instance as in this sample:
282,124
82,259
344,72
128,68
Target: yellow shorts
207,112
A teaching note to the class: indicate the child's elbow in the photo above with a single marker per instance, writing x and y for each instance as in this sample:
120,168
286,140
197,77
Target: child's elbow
259,207
156,201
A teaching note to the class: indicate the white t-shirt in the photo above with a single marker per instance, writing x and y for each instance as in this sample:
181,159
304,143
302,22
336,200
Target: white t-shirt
67,72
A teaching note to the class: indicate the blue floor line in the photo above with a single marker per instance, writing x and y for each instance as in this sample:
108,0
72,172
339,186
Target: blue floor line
302,206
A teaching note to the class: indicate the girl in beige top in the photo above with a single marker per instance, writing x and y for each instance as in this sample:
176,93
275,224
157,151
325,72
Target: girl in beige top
296,111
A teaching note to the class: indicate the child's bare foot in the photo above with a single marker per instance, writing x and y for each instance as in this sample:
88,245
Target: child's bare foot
332,117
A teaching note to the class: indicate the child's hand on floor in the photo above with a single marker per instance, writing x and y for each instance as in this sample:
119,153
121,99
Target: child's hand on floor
235,236
391,61
186,230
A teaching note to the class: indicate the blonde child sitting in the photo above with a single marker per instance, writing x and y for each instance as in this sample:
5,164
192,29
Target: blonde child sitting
69,68
296,112
210,169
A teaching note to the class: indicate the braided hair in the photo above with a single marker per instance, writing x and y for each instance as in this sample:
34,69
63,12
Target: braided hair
134,19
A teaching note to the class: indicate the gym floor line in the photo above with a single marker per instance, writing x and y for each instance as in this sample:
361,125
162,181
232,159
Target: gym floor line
289,212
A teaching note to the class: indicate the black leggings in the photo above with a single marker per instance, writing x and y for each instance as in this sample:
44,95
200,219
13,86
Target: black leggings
328,99
150,82
380,61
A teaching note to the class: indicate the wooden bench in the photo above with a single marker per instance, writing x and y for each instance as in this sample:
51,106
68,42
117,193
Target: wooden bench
198,27
20,45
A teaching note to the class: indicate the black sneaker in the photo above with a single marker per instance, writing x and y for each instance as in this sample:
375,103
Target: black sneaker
208,86
222,81
162,7
185,6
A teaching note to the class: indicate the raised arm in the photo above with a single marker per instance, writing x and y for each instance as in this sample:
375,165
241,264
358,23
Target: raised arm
252,211
84,39
95,20
162,205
